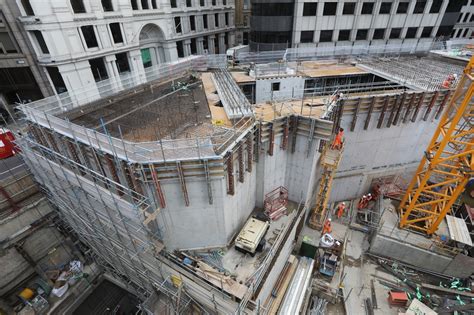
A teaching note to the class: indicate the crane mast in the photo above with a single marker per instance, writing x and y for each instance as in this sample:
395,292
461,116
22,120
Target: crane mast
447,165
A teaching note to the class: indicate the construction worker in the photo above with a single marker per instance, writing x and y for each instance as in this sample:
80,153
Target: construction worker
340,209
449,81
337,143
327,228
363,202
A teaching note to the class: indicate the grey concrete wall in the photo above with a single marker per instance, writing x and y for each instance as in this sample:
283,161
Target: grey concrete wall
290,87
377,152
203,225
198,225
13,269
458,266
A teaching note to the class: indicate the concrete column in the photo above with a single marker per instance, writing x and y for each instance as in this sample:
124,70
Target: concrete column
139,4
211,44
79,82
136,66
231,42
222,43
171,53
200,45
113,72
187,47
149,5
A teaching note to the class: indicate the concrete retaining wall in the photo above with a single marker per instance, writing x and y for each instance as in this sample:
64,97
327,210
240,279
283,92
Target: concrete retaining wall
377,152
459,266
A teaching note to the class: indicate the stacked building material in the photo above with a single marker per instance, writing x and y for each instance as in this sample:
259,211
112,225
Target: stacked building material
296,293
275,203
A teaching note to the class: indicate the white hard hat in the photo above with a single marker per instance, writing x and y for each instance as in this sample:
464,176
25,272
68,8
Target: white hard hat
343,203
329,219
369,194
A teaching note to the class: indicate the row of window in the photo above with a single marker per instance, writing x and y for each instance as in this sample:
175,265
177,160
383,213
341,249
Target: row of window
189,3
362,34
107,5
205,18
349,8
465,17
180,46
89,35
459,33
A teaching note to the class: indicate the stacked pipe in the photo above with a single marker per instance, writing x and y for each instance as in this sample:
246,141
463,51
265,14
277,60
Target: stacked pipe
295,295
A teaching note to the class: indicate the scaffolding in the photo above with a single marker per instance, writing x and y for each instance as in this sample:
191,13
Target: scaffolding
92,177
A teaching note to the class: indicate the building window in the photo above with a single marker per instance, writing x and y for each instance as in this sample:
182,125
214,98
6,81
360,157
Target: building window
216,20
107,5
224,2
436,6
444,30
411,32
214,2
402,7
466,31
193,46
379,33
146,57
472,18
57,79
98,69
202,3
27,7
189,3
122,62
367,8
349,8
180,49
275,86
41,42
78,6
330,8
173,4
89,36
6,44
310,9
362,34
419,7
325,36
385,8
135,4
426,32
116,32
307,36
466,17
395,33
204,21
153,4
226,15
145,5
177,24
344,35
192,23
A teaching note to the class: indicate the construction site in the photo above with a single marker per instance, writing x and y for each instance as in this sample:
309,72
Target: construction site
295,182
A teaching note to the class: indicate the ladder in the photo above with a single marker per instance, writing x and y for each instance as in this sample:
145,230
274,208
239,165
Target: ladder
329,162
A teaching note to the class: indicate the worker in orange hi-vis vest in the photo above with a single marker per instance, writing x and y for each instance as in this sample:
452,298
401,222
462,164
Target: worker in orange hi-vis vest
327,228
363,202
337,143
340,209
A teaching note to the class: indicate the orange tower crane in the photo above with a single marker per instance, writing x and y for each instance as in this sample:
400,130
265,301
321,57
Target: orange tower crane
447,165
